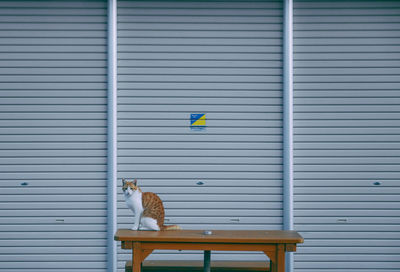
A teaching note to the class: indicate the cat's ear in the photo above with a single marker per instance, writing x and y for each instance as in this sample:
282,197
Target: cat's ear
123,181
135,182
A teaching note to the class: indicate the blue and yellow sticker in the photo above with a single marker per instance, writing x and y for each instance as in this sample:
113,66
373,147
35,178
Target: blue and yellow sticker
198,121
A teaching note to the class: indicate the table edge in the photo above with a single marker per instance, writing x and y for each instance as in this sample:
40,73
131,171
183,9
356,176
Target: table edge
291,240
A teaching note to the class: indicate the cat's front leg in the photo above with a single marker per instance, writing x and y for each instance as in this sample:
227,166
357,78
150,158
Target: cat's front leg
136,219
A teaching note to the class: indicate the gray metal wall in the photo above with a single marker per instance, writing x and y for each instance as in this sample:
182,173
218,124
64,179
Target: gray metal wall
347,131
52,136
218,58
222,59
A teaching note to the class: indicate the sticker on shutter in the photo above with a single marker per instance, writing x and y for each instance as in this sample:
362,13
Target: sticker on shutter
198,121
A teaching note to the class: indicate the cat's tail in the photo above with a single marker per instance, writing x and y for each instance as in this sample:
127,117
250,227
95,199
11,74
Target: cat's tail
171,227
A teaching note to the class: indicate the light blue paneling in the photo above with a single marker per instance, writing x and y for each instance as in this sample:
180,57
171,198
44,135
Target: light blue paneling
52,136
220,58
347,78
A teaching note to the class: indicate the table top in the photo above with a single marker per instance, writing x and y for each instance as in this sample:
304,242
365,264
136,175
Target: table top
217,236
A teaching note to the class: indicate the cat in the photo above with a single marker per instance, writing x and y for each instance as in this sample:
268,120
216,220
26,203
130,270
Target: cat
147,207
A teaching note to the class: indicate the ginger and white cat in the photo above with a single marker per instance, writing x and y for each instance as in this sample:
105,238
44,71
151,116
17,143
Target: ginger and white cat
147,207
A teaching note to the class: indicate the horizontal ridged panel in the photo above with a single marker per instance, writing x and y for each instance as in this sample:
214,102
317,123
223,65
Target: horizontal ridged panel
53,135
346,59
219,58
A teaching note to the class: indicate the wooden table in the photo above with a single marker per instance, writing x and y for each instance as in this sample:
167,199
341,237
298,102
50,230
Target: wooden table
273,243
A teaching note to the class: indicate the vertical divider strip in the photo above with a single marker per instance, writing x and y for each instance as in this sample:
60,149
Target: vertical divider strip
111,134
288,123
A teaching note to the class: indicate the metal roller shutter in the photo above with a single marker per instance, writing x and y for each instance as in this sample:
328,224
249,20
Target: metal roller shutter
52,136
347,131
222,59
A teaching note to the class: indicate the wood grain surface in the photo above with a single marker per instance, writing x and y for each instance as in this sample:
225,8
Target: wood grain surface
217,236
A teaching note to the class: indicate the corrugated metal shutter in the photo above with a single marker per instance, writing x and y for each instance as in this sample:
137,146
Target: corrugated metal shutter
347,131
52,136
220,58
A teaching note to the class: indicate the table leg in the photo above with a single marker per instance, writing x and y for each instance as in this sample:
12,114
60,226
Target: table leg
207,261
277,258
137,257
280,258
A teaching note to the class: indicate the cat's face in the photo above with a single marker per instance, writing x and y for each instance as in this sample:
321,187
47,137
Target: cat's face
129,187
